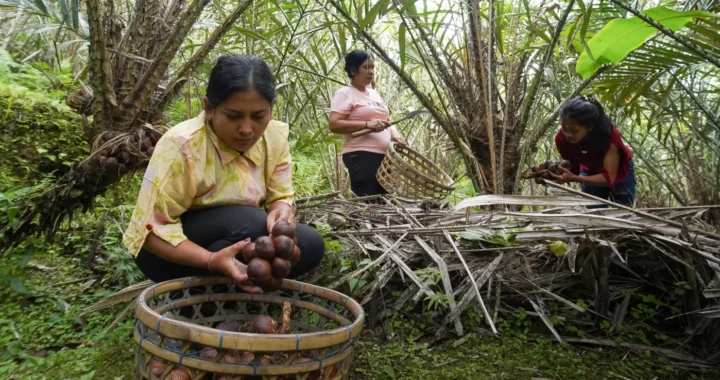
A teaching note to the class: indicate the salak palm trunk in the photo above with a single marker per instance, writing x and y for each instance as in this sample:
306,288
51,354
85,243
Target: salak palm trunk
126,99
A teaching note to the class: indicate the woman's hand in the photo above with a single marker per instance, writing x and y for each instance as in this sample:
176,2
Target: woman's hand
398,141
378,125
565,176
279,211
224,262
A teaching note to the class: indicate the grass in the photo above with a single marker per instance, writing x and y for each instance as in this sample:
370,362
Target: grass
41,337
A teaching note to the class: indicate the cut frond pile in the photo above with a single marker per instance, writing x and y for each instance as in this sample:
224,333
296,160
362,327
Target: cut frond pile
543,259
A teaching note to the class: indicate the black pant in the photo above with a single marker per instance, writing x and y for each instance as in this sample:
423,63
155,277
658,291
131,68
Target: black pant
220,227
362,167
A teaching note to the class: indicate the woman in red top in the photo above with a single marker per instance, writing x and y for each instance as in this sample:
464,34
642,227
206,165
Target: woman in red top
601,162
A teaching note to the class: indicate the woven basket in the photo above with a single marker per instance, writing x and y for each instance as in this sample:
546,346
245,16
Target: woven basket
325,326
409,174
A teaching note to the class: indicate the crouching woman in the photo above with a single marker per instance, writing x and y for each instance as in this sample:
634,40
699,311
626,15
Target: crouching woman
201,196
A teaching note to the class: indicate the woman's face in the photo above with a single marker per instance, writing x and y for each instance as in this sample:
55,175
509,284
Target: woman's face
573,132
241,120
365,74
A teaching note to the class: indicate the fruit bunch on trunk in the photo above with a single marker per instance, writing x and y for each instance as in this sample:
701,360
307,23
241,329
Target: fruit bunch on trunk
543,170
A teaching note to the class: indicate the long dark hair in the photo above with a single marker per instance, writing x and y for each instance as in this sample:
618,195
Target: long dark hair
239,73
588,113
355,59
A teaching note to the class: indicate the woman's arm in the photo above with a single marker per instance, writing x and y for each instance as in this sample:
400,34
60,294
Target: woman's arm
340,124
611,163
190,254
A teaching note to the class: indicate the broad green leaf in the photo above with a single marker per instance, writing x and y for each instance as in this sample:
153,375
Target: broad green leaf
64,11
401,42
27,254
75,14
17,285
40,4
621,36
558,248
343,38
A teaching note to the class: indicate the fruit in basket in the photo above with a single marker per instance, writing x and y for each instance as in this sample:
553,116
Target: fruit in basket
264,248
237,357
180,374
208,353
263,324
228,326
274,284
157,369
281,267
276,358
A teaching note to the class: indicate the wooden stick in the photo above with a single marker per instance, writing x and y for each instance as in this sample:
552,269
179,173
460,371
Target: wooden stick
641,213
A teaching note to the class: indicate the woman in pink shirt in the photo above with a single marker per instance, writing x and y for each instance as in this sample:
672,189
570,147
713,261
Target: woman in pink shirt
355,108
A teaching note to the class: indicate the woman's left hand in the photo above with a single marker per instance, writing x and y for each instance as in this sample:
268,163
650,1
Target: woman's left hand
398,141
279,211
565,176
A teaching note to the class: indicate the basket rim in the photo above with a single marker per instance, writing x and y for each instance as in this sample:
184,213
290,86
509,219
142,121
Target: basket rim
177,329
393,149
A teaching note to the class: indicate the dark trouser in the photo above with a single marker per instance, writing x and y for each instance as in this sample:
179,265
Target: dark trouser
362,167
220,227
623,194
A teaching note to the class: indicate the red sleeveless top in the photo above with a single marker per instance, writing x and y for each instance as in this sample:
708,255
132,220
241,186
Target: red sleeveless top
591,160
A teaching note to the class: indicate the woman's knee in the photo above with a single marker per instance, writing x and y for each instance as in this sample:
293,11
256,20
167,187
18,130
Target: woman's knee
244,221
312,247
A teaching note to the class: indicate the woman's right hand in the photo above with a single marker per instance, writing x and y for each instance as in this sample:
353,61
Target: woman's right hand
378,125
224,262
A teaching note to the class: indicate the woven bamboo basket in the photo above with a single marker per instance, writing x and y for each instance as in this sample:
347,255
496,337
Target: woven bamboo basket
409,174
324,329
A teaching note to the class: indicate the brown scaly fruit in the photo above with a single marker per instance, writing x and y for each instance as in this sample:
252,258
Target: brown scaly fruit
274,359
283,228
281,267
258,270
248,253
553,168
283,246
263,324
229,326
275,283
180,374
264,248
538,180
157,369
295,256
235,357
208,353
566,164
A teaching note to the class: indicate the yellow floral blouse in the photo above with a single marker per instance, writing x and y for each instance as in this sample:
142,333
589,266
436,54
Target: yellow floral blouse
192,168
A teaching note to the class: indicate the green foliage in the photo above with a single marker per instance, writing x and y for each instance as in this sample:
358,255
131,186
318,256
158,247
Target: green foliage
41,135
381,357
621,36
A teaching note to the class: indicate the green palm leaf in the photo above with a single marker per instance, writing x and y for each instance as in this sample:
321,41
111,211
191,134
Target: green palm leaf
622,36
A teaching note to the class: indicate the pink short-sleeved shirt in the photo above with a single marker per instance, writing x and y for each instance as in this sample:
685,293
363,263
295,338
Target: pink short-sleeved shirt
363,106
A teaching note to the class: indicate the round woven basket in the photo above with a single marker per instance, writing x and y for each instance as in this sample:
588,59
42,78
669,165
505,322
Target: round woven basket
324,328
409,174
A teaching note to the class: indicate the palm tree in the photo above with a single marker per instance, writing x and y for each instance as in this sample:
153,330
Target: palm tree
130,86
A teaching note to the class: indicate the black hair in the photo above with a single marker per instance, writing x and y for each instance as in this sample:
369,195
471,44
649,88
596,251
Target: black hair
355,59
239,73
588,113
